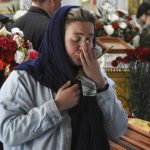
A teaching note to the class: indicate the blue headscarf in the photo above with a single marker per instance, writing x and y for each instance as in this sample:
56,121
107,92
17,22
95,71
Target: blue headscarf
53,67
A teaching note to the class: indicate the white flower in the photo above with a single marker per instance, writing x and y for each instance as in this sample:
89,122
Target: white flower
109,29
111,10
113,17
4,32
122,25
18,40
17,30
19,57
106,6
18,14
136,41
133,23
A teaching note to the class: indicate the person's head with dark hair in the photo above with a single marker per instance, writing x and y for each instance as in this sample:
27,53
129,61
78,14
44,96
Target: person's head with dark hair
48,5
142,12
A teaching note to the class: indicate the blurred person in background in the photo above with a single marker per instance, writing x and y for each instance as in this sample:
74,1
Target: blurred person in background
35,21
143,18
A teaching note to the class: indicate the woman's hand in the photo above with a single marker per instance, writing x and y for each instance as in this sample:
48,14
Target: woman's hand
67,96
91,66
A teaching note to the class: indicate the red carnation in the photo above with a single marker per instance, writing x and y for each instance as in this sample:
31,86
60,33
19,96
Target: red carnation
126,59
114,63
115,25
129,18
131,54
118,59
143,54
98,26
2,64
32,54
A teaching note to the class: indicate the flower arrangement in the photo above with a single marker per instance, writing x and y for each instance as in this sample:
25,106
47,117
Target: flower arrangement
138,62
117,23
14,49
139,55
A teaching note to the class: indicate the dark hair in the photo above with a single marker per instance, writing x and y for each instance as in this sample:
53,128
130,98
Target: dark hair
144,8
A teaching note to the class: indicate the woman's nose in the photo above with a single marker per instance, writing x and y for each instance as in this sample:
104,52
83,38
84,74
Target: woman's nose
85,42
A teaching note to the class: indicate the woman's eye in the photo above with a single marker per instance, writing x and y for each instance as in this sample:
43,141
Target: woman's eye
76,39
90,39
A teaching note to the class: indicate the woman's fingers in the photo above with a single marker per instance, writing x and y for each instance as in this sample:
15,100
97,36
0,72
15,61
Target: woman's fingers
66,85
94,54
89,55
75,87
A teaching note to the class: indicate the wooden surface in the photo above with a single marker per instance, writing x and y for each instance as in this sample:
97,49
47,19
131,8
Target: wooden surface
139,125
117,45
115,146
137,137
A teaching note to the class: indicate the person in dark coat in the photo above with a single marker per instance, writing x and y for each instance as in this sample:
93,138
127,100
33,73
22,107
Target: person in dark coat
35,21
143,18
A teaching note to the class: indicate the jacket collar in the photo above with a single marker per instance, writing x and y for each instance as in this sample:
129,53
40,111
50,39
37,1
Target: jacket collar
38,10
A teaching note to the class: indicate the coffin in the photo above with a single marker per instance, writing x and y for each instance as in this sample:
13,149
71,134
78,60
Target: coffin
137,136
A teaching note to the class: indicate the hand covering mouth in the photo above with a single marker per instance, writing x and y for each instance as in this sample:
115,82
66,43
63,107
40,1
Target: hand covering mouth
78,52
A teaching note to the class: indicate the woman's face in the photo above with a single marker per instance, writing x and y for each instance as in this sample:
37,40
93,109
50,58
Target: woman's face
76,35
